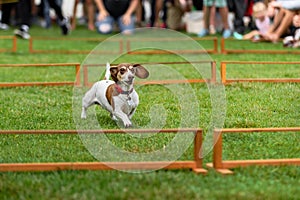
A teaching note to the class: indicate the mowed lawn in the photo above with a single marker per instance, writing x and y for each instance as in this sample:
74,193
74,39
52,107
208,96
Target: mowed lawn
247,105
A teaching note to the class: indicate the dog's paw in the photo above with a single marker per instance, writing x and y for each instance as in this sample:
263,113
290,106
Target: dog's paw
113,117
83,116
128,126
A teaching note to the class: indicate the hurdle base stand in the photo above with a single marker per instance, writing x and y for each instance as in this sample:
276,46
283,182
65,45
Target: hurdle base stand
219,170
40,167
199,171
228,164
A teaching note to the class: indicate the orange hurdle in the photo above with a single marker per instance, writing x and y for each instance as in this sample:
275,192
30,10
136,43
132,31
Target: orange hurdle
223,166
213,78
213,50
195,165
14,44
129,42
254,51
60,51
268,80
21,84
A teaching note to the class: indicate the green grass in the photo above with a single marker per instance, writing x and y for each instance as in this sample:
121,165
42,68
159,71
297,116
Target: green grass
247,105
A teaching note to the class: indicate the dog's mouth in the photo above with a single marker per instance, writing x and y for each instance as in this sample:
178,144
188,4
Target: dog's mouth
129,82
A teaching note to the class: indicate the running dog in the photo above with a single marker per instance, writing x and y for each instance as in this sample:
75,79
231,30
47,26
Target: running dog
117,96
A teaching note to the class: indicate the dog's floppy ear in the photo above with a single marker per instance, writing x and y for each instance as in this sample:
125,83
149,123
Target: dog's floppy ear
114,72
140,71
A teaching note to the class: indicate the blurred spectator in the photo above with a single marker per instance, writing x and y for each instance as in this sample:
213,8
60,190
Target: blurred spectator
293,40
175,10
111,11
262,23
6,15
156,7
24,13
212,20
198,4
282,20
89,12
140,14
239,8
56,5
222,6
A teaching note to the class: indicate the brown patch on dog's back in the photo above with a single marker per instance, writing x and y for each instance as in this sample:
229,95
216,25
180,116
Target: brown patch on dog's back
110,92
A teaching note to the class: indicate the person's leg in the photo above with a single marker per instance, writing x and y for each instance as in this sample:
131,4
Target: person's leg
73,20
105,26
90,14
24,10
6,14
283,27
240,7
224,16
46,13
62,21
280,26
251,34
126,29
206,15
57,8
212,20
223,9
277,20
158,8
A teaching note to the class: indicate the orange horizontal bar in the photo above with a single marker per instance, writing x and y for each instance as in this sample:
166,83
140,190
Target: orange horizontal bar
164,82
171,39
166,52
95,166
75,51
40,65
6,37
266,80
104,131
23,84
261,51
244,130
261,62
155,82
71,39
243,163
154,63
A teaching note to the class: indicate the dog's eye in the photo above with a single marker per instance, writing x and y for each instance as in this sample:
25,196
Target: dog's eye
132,70
122,70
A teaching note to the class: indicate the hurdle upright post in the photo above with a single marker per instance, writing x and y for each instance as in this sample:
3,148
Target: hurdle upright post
213,72
77,68
215,45
198,152
217,152
14,48
223,51
31,45
85,76
223,72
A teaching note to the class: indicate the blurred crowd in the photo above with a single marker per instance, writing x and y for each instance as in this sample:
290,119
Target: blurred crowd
257,20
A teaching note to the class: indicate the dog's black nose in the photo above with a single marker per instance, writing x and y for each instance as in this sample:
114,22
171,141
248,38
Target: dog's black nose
130,78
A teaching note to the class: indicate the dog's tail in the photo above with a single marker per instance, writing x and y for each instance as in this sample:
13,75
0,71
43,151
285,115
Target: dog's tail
107,72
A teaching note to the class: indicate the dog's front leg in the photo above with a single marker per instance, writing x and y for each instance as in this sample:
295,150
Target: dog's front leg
121,115
132,113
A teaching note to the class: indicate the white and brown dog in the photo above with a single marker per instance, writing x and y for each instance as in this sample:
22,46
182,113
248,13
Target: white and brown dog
117,96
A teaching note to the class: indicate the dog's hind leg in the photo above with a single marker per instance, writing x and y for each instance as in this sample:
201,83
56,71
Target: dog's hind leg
88,100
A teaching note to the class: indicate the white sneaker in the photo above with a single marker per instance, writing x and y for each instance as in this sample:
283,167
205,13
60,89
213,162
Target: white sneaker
22,33
4,26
